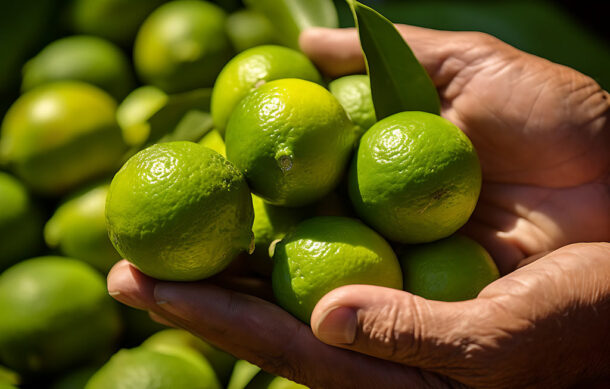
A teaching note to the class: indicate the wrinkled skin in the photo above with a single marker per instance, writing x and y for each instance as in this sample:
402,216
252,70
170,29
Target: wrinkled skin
542,132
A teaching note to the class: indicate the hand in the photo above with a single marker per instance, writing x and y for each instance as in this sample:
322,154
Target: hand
542,325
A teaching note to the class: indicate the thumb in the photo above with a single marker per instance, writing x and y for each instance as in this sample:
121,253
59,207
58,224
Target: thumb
398,326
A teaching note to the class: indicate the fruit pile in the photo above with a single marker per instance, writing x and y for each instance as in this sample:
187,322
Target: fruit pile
233,149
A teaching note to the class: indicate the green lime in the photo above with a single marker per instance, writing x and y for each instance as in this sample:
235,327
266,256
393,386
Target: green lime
81,58
264,380
451,269
214,141
20,222
248,28
78,229
167,340
292,139
324,253
243,372
136,109
51,307
116,20
182,46
59,135
179,211
251,69
415,177
143,368
354,94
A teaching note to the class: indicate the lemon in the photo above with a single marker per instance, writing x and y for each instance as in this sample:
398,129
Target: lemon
354,94
78,229
167,340
179,211
136,109
324,253
51,307
415,177
20,222
452,269
292,139
249,28
144,368
81,58
251,69
59,135
214,141
182,46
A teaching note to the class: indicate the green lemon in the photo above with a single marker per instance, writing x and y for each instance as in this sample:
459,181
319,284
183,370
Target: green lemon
249,28
354,94
182,46
116,20
143,368
179,211
324,253
20,222
451,269
59,135
214,141
51,307
78,229
167,340
81,58
415,177
251,69
292,139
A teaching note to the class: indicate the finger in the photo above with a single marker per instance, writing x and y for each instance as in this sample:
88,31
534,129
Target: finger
129,286
161,320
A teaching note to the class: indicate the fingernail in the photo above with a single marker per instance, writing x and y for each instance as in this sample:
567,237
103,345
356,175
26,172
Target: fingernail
165,294
338,326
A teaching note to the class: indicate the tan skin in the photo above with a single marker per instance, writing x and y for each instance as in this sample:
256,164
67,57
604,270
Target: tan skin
542,132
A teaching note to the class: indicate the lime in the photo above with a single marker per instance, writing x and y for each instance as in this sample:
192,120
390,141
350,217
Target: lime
452,269
144,368
214,141
415,177
182,46
20,222
248,28
59,135
243,372
292,139
179,211
51,307
264,380
78,229
167,340
81,58
136,109
324,253
354,94
251,69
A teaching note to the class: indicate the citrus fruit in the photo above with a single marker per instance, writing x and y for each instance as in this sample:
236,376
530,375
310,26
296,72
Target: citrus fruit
264,380
81,58
179,211
143,368
59,135
324,253
415,177
20,222
182,46
78,229
451,269
116,20
248,28
136,109
214,141
354,94
292,139
167,340
251,69
51,307
243,372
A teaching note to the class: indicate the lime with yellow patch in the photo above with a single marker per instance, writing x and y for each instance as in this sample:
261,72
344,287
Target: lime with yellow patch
179,211
292,139
214,141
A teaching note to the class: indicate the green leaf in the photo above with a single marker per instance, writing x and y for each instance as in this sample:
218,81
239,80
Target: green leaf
398,81
192,127
290,17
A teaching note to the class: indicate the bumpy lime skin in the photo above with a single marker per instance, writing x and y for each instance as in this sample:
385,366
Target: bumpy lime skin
451,269
251,69
324,253
179,211
415,178
292,140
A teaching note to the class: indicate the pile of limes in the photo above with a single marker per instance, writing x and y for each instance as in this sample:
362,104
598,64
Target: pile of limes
179,136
